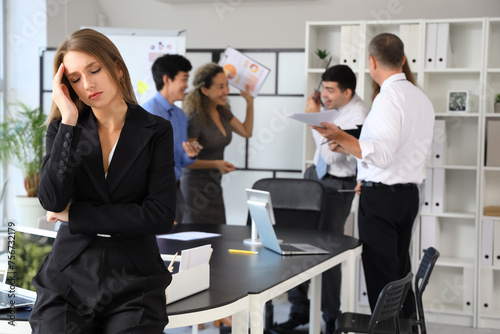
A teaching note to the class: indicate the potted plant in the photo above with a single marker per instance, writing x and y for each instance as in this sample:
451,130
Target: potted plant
497,103
322,54
22,144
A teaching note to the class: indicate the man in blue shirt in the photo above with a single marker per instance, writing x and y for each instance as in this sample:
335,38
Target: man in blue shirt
171,75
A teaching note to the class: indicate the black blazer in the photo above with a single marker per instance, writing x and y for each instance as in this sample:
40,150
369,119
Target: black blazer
135,201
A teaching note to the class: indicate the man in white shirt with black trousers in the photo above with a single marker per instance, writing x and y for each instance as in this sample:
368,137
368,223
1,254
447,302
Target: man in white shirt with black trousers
392,150
336,169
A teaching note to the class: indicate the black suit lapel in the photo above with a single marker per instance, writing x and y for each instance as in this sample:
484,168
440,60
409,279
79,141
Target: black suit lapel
90,151
136,133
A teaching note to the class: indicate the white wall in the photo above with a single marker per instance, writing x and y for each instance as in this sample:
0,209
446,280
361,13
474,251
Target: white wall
275,24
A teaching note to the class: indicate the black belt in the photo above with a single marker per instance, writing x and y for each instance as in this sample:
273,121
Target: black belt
370,184
341,178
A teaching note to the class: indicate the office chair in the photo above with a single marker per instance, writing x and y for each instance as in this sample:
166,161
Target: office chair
407,325
389,304
421,279
297,203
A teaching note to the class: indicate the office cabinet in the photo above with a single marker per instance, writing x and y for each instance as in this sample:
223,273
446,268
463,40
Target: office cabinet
489,269
446,56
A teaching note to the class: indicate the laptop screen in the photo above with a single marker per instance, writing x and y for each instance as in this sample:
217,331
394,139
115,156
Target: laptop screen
31,246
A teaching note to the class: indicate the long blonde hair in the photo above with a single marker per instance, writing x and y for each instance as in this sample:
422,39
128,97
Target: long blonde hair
196,102
99,46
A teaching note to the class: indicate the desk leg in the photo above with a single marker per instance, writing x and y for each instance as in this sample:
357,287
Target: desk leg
194,329
315,305
240,322
256,309
348,282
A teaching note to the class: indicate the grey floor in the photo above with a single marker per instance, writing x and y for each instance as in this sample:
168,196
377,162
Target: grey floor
281,308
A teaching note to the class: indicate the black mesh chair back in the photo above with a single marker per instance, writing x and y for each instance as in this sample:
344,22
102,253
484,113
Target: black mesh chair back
297,203
390,302
421,279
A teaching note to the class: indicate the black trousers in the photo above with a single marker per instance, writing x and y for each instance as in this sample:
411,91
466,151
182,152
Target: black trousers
385,220
338,207
100,292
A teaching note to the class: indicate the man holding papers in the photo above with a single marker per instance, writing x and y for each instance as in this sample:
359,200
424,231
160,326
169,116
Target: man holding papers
392,151
336,169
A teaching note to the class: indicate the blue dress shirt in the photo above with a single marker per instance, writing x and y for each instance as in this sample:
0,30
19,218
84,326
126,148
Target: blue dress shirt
158,105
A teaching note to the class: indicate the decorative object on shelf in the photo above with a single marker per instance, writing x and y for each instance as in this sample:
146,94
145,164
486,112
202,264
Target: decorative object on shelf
492,210
22,143
497,104
322,54
458,101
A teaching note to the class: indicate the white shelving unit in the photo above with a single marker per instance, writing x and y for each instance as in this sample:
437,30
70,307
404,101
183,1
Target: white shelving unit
462,290
489,273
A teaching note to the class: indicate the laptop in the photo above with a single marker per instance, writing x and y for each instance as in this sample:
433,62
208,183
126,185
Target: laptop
30,247
259,205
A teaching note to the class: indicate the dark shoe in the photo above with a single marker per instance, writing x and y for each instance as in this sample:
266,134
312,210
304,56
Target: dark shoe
294,322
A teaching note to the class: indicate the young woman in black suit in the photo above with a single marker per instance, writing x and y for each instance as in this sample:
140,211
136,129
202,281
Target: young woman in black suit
108,176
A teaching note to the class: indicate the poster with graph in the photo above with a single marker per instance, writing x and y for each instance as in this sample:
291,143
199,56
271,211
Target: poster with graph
242,70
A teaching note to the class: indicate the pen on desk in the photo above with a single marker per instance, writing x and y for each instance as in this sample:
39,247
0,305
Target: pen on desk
171,265
325,142
240,251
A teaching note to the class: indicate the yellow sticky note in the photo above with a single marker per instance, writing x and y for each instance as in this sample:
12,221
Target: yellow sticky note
141,87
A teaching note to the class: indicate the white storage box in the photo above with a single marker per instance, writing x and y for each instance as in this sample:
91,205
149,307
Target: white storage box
188,282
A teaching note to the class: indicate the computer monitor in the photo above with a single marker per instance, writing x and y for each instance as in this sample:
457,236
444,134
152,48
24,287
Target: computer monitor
263,197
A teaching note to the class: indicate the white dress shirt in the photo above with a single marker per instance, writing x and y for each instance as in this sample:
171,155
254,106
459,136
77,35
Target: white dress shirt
396,138
341,164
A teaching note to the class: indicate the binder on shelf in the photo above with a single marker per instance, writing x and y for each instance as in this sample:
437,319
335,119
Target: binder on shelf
430,233
409,34
426,207
443,48
487,286
496,244
468,293
345,45
487,243
430,45
439,142
438,190
492,141
357,44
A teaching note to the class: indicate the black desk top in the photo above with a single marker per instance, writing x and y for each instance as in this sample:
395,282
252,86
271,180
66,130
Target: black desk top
233,276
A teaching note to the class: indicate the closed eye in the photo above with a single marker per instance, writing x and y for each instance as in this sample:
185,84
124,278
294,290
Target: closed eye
94,72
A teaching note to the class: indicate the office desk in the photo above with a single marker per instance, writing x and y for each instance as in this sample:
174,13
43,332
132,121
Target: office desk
240,285
266,275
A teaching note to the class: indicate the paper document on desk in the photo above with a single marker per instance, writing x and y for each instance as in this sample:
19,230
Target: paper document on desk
193,257
187,236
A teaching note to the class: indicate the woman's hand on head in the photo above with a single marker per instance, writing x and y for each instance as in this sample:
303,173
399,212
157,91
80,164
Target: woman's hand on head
246,94
225,167
61,97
